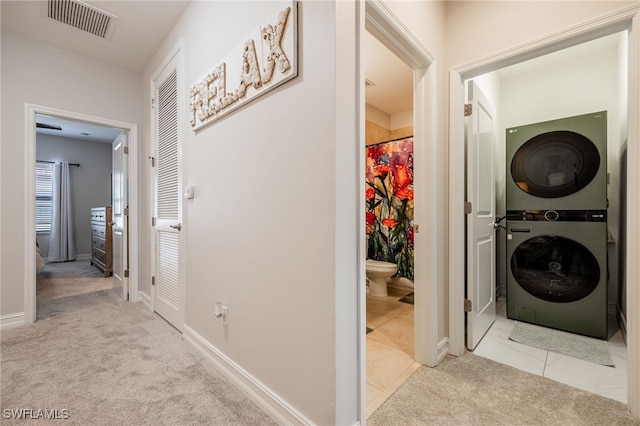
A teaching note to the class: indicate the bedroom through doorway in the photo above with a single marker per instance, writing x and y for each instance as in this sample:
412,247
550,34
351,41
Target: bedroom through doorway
73,245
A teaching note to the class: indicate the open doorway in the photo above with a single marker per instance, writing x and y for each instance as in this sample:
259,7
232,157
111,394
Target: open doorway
569,38
389,222
541,90
74,247
35,113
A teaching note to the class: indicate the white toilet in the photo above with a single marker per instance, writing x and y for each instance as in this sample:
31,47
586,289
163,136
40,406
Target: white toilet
377,274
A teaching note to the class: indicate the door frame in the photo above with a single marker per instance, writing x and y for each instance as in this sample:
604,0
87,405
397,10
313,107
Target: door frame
384,25
123,252
31,110
624,19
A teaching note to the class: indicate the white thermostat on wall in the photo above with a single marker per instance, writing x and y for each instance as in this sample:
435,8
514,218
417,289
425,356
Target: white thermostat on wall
188,192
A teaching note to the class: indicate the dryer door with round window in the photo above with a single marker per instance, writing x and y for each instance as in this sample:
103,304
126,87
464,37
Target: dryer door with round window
555,164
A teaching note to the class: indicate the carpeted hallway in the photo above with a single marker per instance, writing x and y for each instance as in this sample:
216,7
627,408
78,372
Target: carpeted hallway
101,361
109,362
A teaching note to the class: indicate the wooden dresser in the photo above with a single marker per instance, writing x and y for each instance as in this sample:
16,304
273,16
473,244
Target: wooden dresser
101,246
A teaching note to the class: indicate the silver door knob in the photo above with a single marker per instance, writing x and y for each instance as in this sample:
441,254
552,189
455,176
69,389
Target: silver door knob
178,227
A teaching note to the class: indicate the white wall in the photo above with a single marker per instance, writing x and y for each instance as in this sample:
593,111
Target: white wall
263,234
377,116
401,119
91,182
43,75
394,121
476,29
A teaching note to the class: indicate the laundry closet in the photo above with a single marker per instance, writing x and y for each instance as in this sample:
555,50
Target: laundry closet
568,96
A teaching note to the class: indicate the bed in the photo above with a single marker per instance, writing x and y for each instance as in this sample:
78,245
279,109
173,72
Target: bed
39,260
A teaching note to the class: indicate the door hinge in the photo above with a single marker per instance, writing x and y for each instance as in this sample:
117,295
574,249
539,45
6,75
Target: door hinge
153,103
126,211
126,273
153,221
153,280
153,161
126,150
416,228
468,208
468,110
467,305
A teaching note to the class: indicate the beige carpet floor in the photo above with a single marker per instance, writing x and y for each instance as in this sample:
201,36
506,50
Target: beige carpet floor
65,279
471,390
107,362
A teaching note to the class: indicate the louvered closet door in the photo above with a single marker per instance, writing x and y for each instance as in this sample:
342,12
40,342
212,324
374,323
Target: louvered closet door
169,282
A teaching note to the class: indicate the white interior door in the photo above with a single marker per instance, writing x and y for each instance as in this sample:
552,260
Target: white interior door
119,203
168,281
481,248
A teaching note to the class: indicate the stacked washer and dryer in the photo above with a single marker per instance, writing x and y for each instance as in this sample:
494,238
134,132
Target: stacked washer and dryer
556,199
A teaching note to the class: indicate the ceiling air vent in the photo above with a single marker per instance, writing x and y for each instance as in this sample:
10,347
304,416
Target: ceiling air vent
82,16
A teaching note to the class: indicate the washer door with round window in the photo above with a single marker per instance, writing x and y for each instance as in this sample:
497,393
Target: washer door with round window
557,275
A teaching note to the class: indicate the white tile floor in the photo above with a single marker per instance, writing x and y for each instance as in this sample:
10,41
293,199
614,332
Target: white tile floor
606,381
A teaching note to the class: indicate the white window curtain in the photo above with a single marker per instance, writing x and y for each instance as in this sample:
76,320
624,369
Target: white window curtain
62,246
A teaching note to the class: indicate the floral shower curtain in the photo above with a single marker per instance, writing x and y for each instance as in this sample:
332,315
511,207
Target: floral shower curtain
389,201
62,240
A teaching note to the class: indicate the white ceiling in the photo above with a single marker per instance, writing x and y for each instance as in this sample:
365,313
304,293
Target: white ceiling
140,28
77,130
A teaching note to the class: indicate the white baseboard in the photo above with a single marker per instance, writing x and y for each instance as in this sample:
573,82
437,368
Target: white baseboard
622,322
267,400
11,321
443,349
145,299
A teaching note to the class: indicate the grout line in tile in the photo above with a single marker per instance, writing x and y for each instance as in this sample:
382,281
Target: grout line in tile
544,366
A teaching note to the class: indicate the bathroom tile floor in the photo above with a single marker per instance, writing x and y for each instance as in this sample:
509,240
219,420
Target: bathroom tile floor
605,381
390,346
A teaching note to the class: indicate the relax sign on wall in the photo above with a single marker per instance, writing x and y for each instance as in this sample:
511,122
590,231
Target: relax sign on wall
266,59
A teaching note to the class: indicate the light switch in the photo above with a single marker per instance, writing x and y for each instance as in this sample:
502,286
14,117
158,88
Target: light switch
188,192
